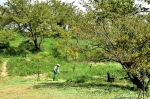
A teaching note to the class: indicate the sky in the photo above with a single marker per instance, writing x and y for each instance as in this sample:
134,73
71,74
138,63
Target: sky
2,1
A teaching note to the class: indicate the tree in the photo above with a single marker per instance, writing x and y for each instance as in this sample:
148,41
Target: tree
5,35
35,18
65,16
123,37
39,19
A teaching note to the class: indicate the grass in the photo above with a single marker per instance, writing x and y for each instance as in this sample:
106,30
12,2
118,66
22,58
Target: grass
77,79
87,83
27,88
23,66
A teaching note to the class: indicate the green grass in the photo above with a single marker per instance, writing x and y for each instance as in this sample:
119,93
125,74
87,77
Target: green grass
77,79
29,88
84,83
23,66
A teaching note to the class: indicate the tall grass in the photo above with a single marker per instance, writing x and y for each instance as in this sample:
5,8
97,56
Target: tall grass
71,71
23,66
84,72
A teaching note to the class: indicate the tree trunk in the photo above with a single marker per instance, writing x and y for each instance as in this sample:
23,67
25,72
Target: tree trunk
35,40
138,79
36,45
139,82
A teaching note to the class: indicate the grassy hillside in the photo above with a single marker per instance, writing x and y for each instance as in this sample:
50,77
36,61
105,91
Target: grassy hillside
78,79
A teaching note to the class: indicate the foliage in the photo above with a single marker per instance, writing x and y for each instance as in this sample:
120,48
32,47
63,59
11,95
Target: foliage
5,37
29,19
123,36
110,30
38,19
65,49
19,46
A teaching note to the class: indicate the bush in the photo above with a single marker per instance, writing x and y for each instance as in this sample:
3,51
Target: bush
4,45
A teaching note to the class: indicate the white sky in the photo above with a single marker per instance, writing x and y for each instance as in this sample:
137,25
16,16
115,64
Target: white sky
76,3
2,1
144,4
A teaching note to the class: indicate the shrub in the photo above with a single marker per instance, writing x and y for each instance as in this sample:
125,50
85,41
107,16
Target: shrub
4,45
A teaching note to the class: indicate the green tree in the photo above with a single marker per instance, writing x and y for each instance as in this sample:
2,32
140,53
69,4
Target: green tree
34,18
39,19
65,16
5,35
123,37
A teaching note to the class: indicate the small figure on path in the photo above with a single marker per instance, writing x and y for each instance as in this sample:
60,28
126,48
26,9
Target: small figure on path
56,72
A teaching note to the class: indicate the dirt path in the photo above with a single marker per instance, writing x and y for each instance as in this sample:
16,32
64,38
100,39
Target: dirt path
4,69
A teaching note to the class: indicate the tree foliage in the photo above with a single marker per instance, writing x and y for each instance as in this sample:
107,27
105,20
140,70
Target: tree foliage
38,19
112,29
123,37
5,37
31,18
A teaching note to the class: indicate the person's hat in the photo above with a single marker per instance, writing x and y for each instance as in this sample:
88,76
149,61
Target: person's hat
58,64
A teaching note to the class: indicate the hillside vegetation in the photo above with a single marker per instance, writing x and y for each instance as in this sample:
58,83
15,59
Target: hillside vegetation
107,45
76,77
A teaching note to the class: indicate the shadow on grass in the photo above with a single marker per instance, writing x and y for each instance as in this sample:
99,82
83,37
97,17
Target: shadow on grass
106,86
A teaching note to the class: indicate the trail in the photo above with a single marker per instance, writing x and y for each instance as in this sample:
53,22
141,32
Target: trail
4,69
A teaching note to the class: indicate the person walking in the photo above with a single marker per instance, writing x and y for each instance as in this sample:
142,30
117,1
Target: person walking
56,72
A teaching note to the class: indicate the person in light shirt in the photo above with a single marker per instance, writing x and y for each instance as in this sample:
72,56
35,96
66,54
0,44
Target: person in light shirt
56,72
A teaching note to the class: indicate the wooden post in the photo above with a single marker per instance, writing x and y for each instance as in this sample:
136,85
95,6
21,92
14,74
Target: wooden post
38,72
74,67
109,78
91,66
38,76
